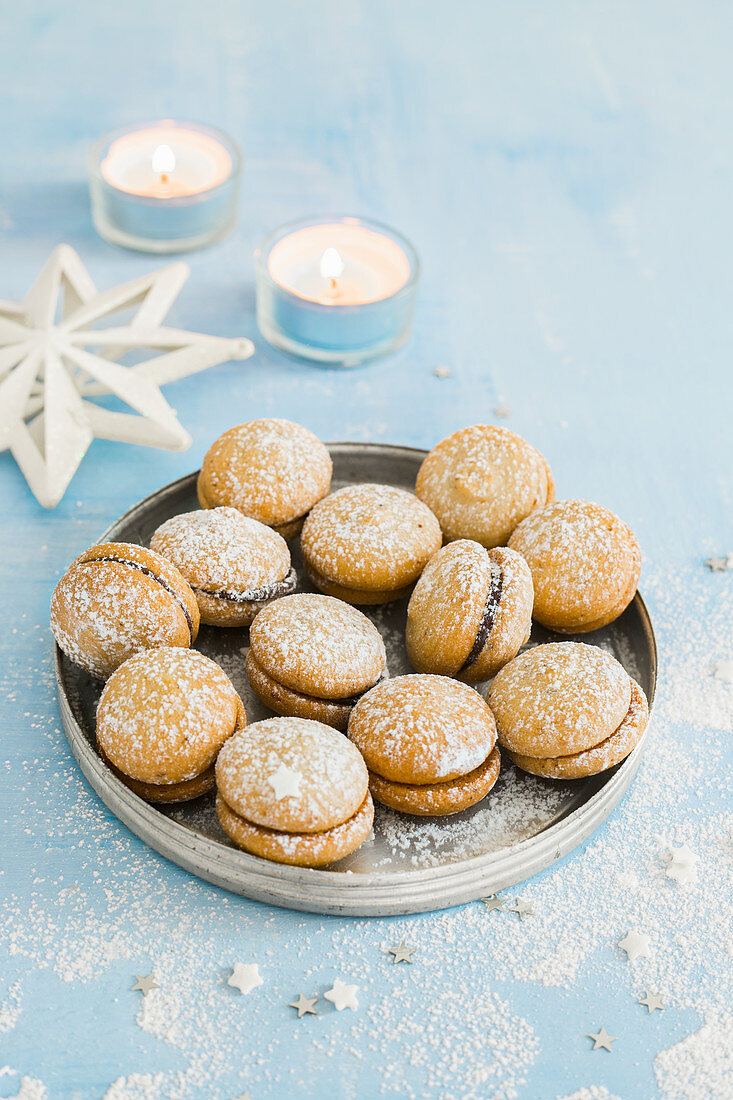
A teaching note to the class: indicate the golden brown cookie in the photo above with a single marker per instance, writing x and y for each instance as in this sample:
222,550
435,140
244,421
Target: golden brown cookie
312,657
368,544
294,791
427,741
585,564
482,481
162,718
271,470
596,759
234,564
117,599
567,709
470,612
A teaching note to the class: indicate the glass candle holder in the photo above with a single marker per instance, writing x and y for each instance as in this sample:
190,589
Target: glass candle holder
336,290
164,186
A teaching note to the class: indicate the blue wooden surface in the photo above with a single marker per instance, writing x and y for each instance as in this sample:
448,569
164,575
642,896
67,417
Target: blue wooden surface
565,172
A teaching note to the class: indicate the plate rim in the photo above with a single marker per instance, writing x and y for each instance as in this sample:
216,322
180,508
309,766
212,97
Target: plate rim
273,880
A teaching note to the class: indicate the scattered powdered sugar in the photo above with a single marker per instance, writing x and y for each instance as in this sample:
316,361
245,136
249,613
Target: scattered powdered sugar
701,1066
592,1092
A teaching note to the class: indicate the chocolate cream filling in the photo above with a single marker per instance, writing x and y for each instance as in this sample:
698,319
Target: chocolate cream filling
488,618
255,595
350,700
159,580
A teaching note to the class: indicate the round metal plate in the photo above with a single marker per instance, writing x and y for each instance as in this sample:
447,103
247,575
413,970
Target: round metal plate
411,864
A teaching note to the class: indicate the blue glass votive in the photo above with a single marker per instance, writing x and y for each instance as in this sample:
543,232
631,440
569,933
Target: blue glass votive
336,290
164,186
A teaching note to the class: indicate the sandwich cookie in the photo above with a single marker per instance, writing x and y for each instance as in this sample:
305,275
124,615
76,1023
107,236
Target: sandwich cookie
234,564
368,544
482,481
293,791
429,743
117,599
585,564
566,710
470,612
273,471
161,720
313,657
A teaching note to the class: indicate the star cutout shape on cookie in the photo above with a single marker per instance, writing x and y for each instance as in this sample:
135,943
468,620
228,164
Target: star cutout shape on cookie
494,902
245,977
304,1005
652,1001
285,782
342,996
54,358
681,866
522,908
145,984
636,945
602,1040
402,953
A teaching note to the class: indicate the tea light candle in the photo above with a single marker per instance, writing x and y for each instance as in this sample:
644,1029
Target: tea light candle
165,186
336,290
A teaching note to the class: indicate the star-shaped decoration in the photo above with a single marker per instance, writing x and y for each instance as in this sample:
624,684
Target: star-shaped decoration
718,564
245,977
342,996
402,953
653,1001
442,371
636,945
304,1005
145,984
522,908
285,782
54,358
602,1040
493,901
681,866
502,411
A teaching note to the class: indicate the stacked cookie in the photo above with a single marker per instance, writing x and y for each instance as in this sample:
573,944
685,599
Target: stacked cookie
479,550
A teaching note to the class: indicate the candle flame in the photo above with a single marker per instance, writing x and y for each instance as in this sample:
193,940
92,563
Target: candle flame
331,264
164,160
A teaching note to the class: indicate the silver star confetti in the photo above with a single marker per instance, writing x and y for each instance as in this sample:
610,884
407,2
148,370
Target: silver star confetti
602,1040
502,411
443,372
636,945
145,984
652,1001
402,953
304,1005
720,564
494,902
522,908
